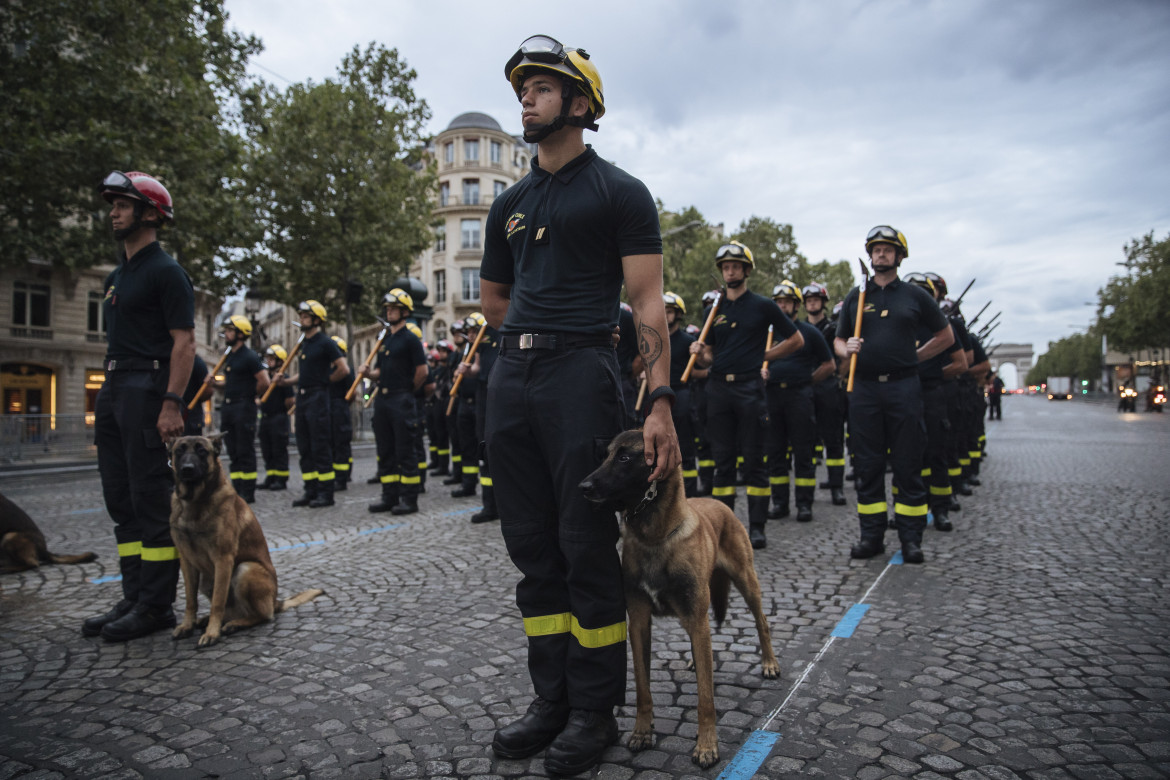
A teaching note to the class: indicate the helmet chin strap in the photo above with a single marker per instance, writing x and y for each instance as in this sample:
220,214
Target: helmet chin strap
735,284
122,234
538,134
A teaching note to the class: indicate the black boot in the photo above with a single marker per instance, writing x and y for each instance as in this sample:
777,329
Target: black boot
466,488
141,620
407,505
307,497
247,491
374,480
582,743
912,553
533,731
484,516
974,481
386,504
776,511
340,484
280,483
324,497
454,479
756,534
868,547
954,506
93,626
942,522
963,489
838,496
265,484
803,513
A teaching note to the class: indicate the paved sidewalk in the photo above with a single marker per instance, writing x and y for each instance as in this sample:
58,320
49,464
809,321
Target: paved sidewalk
1034,642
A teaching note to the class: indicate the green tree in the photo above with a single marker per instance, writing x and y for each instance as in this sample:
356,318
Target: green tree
688,256
838,277
344,186
96,85
1138,303
1077,356
774,251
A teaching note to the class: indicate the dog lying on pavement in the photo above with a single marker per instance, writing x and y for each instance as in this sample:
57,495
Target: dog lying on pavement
679,557
222,550
22,545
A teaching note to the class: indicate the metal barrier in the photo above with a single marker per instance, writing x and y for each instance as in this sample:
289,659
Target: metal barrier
33,437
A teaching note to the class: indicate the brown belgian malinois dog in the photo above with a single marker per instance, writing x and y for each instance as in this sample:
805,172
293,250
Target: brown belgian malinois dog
679,557
222,550
22,545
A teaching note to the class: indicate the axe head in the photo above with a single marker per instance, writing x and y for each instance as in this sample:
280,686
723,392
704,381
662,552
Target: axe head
864,270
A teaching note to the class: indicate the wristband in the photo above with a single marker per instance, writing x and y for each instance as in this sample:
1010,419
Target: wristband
174,397
660,392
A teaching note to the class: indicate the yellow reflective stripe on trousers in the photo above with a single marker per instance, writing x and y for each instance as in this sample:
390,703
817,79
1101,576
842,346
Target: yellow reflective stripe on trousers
910,511
326,476
129,549
954,472
975,454
471,469
340,467
411,480
940,491
754,490
725,490
277,472
159,554
806,482
309,476
778,480
876,508
598,637
926,472
487,481
547,625
387,479
690,473
834,461
706,464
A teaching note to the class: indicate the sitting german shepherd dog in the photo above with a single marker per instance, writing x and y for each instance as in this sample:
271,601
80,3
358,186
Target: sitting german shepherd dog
22,545
679,557
222,551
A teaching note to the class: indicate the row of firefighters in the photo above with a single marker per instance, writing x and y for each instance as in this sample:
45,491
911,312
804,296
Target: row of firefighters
429,407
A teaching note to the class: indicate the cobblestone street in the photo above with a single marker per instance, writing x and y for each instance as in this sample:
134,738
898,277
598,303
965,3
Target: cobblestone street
1033,643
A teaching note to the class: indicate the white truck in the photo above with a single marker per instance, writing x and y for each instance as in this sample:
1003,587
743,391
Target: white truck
1059,388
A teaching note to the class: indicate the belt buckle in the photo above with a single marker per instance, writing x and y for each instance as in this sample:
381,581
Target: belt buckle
525,341
883,377
729,378
783,385
111,365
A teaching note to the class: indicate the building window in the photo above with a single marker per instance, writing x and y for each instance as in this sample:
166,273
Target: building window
470,192
444,193
495,152
440,329
470,285
448,153
95,319
471,151
440,286
469,228
30,304
441,239
498,188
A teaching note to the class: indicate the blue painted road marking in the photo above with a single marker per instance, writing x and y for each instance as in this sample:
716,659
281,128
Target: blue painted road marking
750,757
896,560
845,626
383,528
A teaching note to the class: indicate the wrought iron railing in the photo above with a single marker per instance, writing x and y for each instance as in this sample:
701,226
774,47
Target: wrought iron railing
33,437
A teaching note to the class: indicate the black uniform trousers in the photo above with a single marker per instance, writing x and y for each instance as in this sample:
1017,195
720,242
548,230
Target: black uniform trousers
420,440
485,474
703,454
395,425
684,425
791,428
315,440
938,430
955,444
274,430
737,423
237,419
455,445
829,409
468,442
440,444
888,416
341,428
137,483
549,415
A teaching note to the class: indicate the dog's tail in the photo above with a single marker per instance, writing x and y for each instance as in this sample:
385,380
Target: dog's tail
85,557
304,597
720,588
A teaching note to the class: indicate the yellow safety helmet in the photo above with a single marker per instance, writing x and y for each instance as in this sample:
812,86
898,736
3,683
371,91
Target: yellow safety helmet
240,323
312,307
674,301
399,297
277,352
339,341
733,250
475,320
884,234
787,289
543,52
415,329
921,280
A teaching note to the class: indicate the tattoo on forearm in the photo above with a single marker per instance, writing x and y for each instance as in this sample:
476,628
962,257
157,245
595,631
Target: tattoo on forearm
649,345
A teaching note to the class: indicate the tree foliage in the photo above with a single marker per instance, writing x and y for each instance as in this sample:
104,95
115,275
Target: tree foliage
343,186
1078,355
96,85
1138,303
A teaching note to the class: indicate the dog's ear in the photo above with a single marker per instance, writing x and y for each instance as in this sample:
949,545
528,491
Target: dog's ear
216,440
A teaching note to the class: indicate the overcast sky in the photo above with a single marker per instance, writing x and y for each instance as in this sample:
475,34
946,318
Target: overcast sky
1019,142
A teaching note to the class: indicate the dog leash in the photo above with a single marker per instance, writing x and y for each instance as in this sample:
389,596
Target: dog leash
651,494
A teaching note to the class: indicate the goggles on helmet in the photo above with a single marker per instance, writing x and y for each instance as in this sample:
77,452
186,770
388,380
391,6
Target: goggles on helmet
116,180
922,280
883,231
731,252
546,49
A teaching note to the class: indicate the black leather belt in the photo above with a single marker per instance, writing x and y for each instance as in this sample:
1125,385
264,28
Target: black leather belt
389,390
135,364
789,385
892,376
553,341
308,390
750,375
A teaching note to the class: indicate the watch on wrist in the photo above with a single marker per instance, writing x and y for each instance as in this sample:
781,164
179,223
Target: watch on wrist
660,392
178,399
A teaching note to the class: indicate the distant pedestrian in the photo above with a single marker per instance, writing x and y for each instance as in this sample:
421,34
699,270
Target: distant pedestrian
995,391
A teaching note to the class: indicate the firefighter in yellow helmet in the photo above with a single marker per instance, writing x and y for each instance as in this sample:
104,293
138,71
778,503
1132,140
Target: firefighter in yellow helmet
341,424
275,424
399,370
557,247
244,380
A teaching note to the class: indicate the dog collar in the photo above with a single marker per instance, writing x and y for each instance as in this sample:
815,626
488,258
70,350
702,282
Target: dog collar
651,494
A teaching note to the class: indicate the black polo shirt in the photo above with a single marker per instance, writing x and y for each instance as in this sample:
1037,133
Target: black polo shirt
740,333
239,374
316,361
961,332
338,389
932,370
680,355
798,367
198,374
146,297
559,238
275,403
890,326
400,354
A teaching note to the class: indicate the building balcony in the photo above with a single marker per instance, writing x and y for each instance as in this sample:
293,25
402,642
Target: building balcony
40,334
453,202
